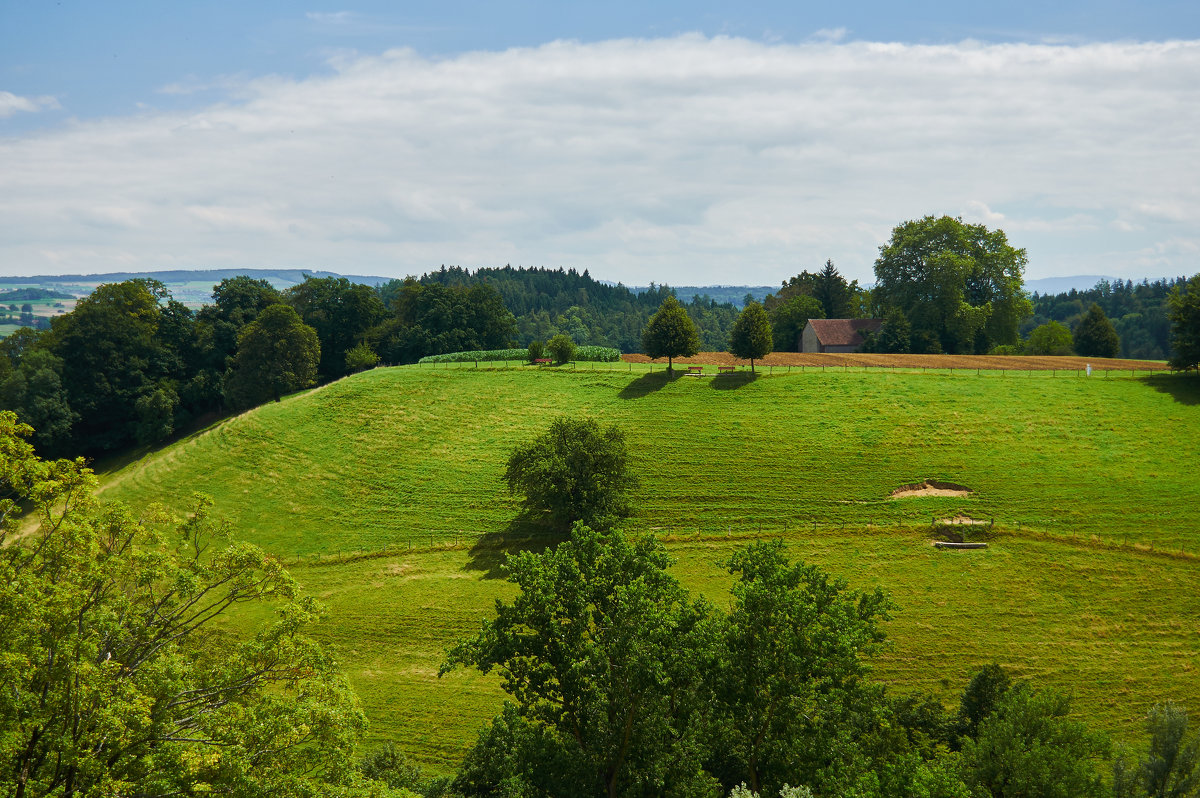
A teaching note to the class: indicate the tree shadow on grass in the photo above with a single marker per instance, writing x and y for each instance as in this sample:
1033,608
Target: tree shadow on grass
526,532
649,383
733,380
1183,388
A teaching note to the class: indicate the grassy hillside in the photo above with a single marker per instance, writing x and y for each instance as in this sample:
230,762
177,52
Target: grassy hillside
1083,477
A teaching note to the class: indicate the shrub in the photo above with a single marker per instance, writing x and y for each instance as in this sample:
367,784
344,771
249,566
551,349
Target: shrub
361,358
598,354
1006,349
537,351
561,348
1050,339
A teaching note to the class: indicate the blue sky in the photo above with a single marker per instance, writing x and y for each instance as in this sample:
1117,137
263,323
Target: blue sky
680,142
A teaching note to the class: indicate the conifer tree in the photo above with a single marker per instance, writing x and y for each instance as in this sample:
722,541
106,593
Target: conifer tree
1095,336
1185,325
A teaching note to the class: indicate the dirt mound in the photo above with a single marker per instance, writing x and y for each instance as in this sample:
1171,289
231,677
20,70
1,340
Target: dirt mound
930,488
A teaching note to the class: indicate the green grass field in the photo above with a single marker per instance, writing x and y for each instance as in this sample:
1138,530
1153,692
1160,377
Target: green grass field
1082,476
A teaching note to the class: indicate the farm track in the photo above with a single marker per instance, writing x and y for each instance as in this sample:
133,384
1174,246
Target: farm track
988,362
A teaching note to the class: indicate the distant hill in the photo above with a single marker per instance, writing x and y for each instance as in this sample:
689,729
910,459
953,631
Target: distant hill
30,294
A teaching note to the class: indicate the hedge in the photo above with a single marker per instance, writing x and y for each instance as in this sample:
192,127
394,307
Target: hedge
597,354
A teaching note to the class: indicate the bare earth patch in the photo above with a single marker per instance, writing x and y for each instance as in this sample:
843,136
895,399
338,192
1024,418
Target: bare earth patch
930,488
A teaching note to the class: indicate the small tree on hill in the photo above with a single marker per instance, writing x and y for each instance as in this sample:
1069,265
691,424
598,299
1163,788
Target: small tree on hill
1095,336
361,358
1050,338
750,337
537,350
1185,325
670,333
576,471
561,348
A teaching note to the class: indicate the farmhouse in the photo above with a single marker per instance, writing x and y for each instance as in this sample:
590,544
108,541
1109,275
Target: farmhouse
836,335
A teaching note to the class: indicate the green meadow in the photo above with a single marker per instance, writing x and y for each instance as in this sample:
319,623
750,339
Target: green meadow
384,491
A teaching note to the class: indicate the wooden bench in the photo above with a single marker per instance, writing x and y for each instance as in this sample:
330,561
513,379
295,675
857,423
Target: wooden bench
726,369
543,361
695,371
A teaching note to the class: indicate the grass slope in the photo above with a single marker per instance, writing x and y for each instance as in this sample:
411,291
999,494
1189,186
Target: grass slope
405,457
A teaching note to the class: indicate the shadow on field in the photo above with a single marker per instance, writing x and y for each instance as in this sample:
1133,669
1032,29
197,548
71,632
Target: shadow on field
1183,388
731,382
649,383
523,533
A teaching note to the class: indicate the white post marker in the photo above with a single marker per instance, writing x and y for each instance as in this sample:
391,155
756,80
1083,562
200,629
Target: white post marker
1089,369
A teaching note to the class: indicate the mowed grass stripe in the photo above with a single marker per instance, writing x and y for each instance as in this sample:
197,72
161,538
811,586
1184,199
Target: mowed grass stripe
1114,628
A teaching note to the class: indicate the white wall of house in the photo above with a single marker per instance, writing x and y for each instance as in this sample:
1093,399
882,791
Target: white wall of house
808,339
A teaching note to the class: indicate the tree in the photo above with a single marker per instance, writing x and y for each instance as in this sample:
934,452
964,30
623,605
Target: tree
670,333
340,312
1171,768
277,354
576,471
1028,748
596,651
1050,338
751,336
360,358
894,336
537,350
119,675
561,348
1095,336
792,664
788,320
1184,314
957,282
981,697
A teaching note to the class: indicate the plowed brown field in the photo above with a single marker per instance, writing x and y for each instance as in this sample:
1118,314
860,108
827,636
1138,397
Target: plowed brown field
996,362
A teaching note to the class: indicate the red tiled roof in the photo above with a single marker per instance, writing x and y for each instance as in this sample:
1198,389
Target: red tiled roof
843,332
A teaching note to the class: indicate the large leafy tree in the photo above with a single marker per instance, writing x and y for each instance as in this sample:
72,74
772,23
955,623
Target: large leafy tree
958,282
1029,748
118,678
340,311
670,333
751,336
789,318
597,652
1050,338
575,471
1095,336
111,356
1171,767
838,298
277,354
793,666
1185,325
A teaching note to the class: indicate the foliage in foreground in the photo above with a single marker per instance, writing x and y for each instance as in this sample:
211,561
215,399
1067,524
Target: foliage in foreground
117,680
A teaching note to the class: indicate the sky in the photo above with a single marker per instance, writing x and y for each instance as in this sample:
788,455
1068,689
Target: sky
688,143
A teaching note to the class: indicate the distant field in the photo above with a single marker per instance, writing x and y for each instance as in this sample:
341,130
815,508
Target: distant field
1082,476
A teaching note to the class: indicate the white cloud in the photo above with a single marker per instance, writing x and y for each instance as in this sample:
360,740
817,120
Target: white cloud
12,103
687,160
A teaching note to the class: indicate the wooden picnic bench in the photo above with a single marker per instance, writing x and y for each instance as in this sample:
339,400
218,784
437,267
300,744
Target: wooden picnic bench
726,369
695,371
543,361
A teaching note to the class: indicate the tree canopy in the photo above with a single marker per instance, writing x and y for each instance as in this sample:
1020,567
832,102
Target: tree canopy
1050,339
789,318
960,283
575,471
751,336
277,354
670,332
118,677
1185,325
1094,335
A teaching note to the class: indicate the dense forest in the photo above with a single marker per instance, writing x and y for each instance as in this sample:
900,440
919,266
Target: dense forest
1138,312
